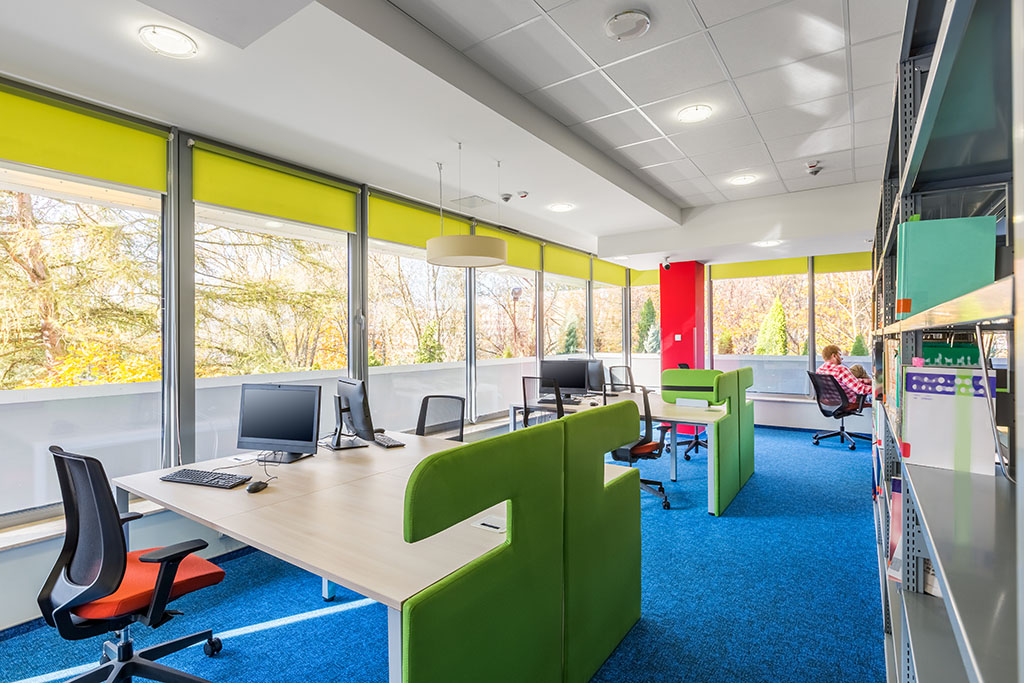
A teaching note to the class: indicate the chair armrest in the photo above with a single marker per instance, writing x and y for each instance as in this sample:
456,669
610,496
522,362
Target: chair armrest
130,517
174,553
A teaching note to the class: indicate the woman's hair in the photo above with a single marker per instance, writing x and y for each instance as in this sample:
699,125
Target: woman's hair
829,351
859,372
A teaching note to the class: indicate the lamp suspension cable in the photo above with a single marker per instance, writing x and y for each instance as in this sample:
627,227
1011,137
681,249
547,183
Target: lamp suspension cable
440,193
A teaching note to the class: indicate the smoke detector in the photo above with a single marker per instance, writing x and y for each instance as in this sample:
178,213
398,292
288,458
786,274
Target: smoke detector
628,25
813,167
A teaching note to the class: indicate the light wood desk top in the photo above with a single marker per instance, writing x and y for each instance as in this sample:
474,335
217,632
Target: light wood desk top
338,515
660,410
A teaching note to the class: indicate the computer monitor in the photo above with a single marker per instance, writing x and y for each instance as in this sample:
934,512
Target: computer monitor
352,413
284,418
571,374
595,375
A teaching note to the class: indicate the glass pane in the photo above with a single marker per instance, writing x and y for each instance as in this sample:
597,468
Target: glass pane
506,335
565,316
417,332
761,322
645,334
842,316
271,306
80,350
608,324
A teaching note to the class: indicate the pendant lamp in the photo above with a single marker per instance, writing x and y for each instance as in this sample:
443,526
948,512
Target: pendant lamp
463,251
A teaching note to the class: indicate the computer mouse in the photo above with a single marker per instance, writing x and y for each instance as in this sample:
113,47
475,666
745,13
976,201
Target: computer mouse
593,403
256,486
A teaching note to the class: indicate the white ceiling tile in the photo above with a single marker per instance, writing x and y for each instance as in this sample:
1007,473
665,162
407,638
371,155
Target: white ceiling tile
733,160
869,173
812,79
707,139
666,71
618,130
584,21
461,29
797,168
551,4
529,57
780,35
648,153
873,18
824,179
697,185
873,103
765,173
716,11
868,133
875,61
810,145
580,99
672,172
755,190
721,97
804,118
873,156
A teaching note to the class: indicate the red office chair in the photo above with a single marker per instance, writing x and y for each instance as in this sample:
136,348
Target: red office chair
646,449
96,586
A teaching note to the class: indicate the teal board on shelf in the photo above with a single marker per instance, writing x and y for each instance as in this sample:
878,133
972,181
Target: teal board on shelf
941,259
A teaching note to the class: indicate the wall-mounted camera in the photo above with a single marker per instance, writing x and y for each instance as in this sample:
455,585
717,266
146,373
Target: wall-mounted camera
666,264
506,197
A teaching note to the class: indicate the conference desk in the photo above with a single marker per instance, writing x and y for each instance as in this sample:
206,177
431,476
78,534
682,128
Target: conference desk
338,515
660,412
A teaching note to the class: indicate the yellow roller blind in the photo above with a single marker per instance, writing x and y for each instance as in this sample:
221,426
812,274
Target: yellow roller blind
229,181
566,262
397,221
609,273
782,266
61,137
642,278
522,251
842,263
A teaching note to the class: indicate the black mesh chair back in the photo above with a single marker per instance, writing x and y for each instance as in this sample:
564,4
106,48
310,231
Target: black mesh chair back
683,366
621,378
541,395
439,414
648,435
92,561
829,394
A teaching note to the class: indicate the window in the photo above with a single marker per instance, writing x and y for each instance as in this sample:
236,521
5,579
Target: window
761,322
506,335
608,323
645,333
565,316
79,319
417,332
842,315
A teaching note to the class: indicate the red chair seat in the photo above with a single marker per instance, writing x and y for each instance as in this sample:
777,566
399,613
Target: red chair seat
137,586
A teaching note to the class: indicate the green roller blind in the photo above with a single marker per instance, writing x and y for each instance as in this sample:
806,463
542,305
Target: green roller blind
609,273
397,221
842,263
53,135
522,251
227,180
782,266
642,278
566,262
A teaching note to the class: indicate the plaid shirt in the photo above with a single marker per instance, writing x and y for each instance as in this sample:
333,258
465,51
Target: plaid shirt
850,384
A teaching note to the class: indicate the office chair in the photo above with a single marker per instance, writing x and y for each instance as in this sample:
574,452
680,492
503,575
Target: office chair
536,397
621,378
694,383
683,366
833,402
646,449
441,413
96,586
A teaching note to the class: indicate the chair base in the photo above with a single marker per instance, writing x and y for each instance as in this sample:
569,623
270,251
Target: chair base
120,663
842,434
655,488
694,444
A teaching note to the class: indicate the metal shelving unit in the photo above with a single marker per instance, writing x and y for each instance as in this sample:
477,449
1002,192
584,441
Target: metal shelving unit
950,156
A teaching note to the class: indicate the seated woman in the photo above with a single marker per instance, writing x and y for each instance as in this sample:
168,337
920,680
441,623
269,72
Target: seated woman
851,384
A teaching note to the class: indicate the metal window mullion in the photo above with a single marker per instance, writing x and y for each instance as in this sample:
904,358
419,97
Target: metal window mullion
471,403
590,311
627,315
811,340
709,323
539,318
358,273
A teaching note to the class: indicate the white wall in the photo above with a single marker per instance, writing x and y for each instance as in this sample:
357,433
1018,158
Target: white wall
804,414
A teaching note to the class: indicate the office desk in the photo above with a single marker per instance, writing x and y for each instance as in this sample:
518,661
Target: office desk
338,515
660,412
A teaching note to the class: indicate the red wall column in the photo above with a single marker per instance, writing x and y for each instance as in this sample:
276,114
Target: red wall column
682,315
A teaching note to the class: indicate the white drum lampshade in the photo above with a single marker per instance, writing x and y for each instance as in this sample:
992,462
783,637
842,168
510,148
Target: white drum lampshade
466,251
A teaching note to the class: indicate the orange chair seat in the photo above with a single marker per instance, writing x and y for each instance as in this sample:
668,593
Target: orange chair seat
649,447
136,589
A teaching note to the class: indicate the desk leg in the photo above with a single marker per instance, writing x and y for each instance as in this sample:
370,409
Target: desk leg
674,447
511,418
712,473
394,645
328,590
121,498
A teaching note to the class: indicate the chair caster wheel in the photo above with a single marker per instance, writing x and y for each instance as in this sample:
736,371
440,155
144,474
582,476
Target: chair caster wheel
212,646
853,446
666,505
104,659
686,457
814,441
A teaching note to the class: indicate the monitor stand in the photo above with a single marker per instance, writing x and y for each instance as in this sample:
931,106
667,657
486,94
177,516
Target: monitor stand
343,442
282,457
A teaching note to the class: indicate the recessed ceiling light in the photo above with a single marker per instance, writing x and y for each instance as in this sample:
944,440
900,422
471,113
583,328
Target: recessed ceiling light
744,179
628,25
274,224
768,243
168,42
561,207
694,113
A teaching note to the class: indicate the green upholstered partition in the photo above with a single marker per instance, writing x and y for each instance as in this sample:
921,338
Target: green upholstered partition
499,618
602,538
688,383
727,442
745,380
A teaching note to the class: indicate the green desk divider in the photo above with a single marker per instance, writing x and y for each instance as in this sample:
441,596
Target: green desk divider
727,442
688,383
745,380
602,538
499,618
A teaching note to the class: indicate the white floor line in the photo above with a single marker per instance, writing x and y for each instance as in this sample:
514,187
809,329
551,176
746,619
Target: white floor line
244,630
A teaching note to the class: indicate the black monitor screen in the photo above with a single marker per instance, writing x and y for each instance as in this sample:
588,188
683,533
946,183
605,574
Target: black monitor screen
571,375
276,415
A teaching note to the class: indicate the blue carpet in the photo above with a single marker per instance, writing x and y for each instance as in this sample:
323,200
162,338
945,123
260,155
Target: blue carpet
783,587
